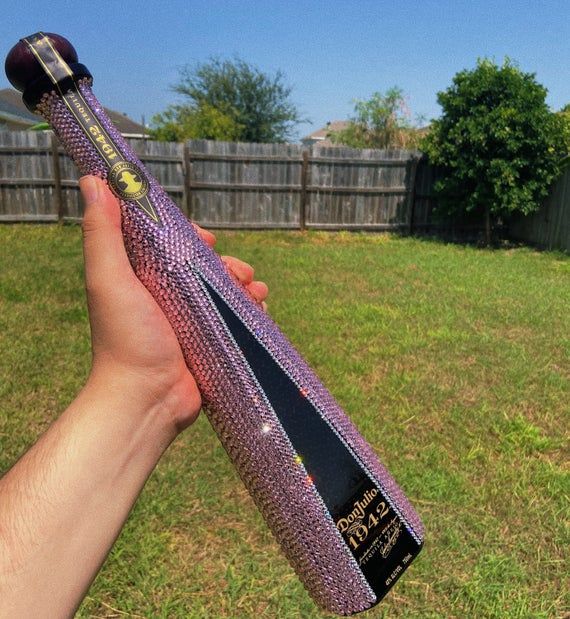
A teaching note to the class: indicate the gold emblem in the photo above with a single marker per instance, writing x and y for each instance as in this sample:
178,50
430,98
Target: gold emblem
127,181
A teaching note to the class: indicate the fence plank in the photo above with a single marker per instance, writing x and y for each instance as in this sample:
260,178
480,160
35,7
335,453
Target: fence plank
187,182
58,193
304,183
412,193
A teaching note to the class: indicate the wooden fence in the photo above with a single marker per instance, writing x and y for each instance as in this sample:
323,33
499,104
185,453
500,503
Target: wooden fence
232,185
236,185
549,227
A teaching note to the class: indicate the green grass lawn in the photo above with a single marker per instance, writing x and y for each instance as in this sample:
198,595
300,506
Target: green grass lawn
453,362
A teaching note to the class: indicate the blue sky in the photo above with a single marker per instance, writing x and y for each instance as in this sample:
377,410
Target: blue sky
331,52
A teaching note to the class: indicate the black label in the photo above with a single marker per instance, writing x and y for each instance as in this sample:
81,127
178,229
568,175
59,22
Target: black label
377,537
125,178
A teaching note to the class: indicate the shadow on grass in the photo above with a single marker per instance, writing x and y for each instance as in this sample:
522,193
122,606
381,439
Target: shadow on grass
467,236
500,240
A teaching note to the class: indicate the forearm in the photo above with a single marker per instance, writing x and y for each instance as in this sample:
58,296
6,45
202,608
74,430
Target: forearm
64,503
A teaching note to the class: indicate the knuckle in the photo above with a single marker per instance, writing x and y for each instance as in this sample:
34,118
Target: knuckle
89,225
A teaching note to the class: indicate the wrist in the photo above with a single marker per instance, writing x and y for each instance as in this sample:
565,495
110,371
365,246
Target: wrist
120,400
69,496
168,401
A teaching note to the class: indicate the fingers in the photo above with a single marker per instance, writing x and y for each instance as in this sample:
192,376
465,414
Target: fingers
103,247
242,270
206,235
258,290
244,273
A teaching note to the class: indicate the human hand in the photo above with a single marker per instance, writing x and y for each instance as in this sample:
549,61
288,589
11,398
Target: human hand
135,350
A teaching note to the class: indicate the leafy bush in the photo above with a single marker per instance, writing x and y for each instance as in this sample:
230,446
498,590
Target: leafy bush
180,122
379,122
497,143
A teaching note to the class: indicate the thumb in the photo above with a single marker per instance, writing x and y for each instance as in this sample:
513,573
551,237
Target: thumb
103,248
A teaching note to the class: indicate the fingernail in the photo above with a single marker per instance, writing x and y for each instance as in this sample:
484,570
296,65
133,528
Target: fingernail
89,189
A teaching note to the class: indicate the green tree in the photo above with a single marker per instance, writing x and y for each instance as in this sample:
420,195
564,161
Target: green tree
497,143
229,100
383,121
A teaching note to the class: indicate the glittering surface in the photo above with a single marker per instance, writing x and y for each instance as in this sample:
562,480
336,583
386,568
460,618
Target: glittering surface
173,263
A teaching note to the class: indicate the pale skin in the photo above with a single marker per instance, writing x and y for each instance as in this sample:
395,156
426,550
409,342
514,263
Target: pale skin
63,504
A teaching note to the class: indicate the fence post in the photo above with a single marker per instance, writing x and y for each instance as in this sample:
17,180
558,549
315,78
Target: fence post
304,182
187,168
58,193
412,192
